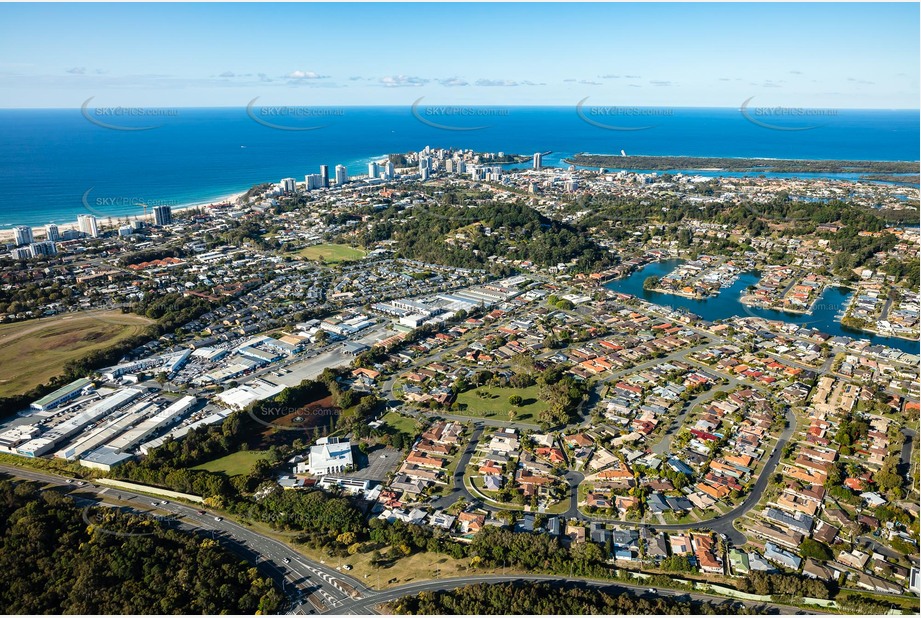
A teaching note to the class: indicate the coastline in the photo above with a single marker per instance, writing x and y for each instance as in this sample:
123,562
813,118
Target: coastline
113,222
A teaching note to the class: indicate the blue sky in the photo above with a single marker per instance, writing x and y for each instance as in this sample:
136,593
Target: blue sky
688,55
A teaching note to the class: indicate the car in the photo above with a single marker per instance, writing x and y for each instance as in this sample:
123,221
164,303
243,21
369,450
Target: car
287,560
652,591
201,512
70,480
154,504
218,519
346,567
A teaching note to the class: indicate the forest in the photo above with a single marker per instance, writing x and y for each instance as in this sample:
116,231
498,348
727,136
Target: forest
465,237
55,562
523,597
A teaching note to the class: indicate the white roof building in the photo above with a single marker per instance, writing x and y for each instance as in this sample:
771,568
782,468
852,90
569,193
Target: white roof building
330,456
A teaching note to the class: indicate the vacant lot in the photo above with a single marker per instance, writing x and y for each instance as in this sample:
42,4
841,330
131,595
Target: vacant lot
492,402
34,351
240,462
332,253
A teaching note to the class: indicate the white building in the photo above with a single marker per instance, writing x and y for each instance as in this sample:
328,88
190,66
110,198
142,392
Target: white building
52,233
88,225
23,234
342,175
288,185
373,170
330,456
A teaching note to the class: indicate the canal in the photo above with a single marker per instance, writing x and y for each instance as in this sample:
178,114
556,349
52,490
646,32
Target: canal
825,316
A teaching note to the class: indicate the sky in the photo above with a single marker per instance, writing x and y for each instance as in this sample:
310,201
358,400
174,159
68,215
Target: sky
682,55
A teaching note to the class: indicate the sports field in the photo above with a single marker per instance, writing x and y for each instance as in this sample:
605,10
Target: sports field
34,351
332,253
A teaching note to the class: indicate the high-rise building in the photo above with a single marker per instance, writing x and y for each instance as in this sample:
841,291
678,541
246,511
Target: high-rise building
23,234
43,248
52,233
388,170
538,157
373,170
21,253
313,181
324,173
342,175
88,225
125,230
288,185
163,215
461,167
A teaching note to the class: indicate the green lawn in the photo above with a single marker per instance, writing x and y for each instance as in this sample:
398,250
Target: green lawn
332,253
496,404
234,464
400,423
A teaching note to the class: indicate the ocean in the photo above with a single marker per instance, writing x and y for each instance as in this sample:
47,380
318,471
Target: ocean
54,162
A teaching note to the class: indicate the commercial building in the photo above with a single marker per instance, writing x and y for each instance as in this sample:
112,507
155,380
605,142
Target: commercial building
288,185
324,174
61,395
163,215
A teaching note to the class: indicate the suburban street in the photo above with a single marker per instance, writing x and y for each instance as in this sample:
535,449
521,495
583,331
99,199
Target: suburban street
367,604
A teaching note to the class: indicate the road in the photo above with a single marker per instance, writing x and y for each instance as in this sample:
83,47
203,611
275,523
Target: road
299,578
313,588
368,604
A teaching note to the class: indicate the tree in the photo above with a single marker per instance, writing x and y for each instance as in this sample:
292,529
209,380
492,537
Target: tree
515,400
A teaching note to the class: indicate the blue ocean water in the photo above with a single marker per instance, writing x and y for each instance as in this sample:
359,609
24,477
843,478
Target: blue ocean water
52,161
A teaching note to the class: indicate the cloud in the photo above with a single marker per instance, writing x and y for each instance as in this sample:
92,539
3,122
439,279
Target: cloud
496,82
632,77
403,81
609,77
355,79
569,80
796,72
725,79
77,71
589,82
264,78
227,74
860,81
305,75
453,81
659,82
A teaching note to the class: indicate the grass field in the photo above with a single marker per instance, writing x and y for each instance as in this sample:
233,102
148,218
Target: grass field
332,253
34,351
496,404
234,464
403,424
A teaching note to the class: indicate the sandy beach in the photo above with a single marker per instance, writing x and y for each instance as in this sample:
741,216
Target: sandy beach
113,222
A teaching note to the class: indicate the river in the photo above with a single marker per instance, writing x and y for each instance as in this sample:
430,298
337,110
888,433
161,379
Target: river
825,316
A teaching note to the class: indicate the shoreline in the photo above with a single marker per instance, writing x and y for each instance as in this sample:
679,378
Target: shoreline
110,222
